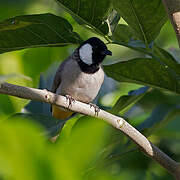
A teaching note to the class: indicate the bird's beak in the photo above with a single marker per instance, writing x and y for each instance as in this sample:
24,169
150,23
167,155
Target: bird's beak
107,52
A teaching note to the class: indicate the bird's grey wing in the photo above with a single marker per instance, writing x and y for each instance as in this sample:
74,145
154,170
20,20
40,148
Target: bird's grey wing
57,77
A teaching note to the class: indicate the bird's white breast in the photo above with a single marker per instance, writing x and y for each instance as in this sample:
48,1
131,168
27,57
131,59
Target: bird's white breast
81,86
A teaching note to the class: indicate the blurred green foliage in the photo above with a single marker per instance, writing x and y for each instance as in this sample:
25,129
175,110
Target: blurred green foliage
145,52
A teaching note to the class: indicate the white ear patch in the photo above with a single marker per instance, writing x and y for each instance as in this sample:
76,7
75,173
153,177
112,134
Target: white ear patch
85,53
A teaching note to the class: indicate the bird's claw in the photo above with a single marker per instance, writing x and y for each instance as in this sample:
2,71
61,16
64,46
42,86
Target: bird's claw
96,108
70,99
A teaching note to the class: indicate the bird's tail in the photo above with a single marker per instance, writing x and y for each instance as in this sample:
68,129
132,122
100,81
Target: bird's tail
61,113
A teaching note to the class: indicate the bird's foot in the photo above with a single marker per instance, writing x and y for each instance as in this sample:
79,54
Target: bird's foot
70,99
96,108
47,95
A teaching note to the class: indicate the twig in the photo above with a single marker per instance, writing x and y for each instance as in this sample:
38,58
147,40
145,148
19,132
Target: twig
144,144
173,9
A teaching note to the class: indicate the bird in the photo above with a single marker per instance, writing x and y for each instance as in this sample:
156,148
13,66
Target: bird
80,76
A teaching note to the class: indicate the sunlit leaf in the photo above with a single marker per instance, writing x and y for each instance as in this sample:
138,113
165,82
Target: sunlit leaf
67,128
4,78
81,149
144,17
36,31
22,151
127,101
132,44
6,105
53,126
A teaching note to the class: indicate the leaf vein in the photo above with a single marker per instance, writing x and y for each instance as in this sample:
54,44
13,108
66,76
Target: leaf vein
139,23
36,34
93,11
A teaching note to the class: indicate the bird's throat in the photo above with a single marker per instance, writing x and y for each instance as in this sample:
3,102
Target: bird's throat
90,69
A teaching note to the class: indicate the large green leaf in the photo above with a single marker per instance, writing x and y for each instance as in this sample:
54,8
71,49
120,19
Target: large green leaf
68,126
35,31
124,103
6,105
122,33
91,13
159,118
144,71
83,147
145,17
23,151
25,154
53,126
167,59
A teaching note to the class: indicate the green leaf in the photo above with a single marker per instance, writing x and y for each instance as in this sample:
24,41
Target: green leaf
175,52
83,147
90,13
7,77
145,17
122,33
167,59
125,102
160,117
118,156
6,105
67,128
134,45
24,154
145,71
39,30
53,126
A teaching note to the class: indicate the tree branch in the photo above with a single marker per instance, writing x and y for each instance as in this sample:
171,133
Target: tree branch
173,10
144,144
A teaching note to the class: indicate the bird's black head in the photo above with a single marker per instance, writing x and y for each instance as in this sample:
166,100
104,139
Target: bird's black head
93,51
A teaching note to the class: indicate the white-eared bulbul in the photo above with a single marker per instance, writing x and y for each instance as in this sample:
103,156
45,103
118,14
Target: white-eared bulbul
80,76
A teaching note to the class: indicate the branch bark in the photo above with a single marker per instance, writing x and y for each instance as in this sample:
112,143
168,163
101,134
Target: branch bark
144,144
173,10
